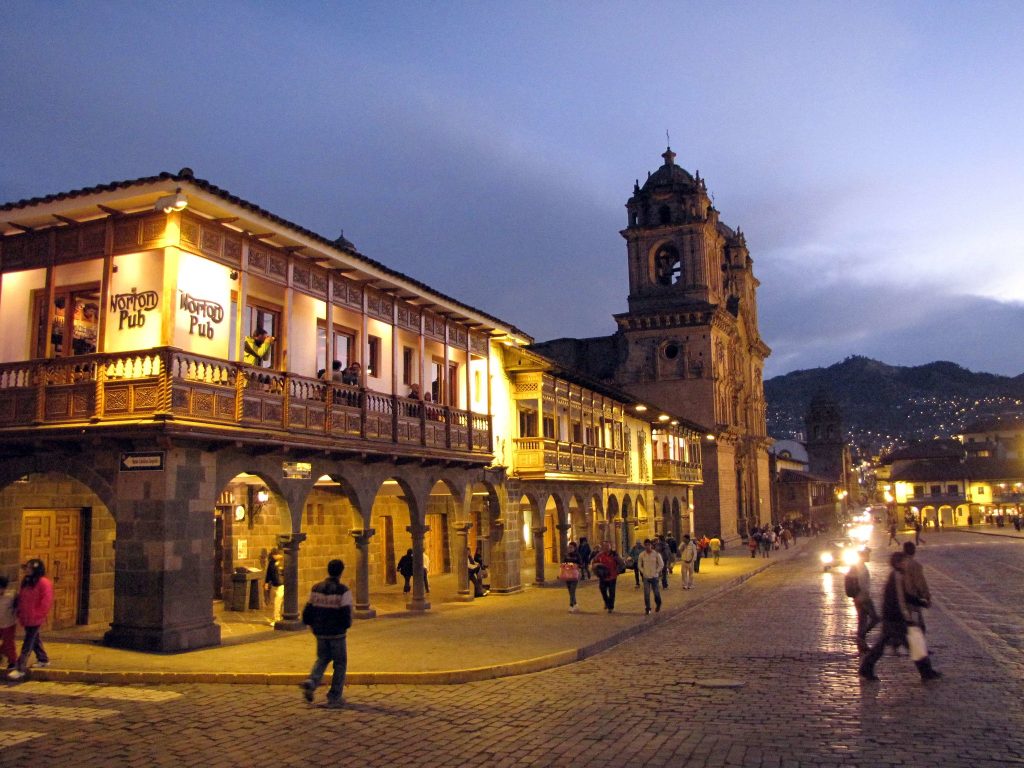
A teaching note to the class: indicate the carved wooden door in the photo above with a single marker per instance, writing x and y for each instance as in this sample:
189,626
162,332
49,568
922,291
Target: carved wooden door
55,537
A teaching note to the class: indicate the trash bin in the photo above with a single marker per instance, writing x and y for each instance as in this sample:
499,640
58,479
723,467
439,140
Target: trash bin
245,589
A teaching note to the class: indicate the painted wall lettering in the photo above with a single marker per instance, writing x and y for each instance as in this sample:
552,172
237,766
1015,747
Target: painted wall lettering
203,315
131,307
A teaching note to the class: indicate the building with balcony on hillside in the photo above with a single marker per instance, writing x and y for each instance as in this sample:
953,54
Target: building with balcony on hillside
154,451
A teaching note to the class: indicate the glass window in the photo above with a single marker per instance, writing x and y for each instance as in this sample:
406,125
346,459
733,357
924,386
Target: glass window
408,361
373,363
75,325
269,319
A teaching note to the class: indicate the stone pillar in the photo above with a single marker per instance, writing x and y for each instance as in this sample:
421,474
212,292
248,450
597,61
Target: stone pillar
563,539
418,600
362,537
163,555
292,617
538,553
602,531
465,594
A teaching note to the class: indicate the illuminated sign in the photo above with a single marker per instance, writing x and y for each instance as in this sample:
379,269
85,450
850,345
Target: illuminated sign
203,315
130,307
297,470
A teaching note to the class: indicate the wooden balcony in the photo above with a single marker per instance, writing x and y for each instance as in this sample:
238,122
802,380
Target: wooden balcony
537,457
169,386
668,471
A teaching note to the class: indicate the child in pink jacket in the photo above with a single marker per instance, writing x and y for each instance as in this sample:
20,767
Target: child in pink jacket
35,598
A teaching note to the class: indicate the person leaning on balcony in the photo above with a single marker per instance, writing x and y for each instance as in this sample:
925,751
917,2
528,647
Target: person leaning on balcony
351,374
256,348
336,372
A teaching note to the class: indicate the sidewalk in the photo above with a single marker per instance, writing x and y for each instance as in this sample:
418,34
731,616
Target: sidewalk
495,636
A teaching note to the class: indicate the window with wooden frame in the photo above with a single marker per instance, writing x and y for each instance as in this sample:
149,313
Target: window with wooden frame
74,329
340,347
373,356
267,317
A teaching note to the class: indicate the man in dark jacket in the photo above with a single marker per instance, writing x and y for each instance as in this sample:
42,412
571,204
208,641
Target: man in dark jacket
329,615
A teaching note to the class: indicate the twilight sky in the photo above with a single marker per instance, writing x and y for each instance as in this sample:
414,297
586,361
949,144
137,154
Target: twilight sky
872,152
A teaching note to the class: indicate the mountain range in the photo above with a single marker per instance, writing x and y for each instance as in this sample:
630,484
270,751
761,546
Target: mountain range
886,406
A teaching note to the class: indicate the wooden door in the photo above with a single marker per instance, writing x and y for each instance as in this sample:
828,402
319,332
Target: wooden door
435,543
55,537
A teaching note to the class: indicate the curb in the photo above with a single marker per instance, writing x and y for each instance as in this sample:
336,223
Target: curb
441,677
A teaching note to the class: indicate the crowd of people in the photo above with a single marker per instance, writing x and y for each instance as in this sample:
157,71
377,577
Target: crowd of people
652,561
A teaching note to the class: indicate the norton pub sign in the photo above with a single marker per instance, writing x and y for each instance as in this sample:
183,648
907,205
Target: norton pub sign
131,308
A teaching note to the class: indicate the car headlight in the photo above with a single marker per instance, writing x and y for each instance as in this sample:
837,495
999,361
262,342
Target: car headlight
850,556
826,557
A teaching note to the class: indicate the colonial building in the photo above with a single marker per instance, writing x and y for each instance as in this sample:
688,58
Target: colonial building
690,341
153,469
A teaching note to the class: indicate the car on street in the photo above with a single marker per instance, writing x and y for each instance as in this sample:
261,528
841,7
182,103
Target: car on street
843,552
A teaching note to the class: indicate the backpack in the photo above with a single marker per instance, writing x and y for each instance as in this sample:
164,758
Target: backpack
851,584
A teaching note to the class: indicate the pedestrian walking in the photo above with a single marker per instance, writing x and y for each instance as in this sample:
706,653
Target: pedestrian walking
606,569
918,541
8,623
569,572
329,615
688,554
915,584
898,627
892,534
586,554
661,547
858,586
715,545
35,598
405,569
634,556
273,585
753,541
650,566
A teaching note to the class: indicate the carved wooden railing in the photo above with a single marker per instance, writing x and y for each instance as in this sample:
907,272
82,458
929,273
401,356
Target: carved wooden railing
667,470
535,456
168,383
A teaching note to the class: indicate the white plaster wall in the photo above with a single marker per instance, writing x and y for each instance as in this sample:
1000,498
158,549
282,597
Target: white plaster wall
16,313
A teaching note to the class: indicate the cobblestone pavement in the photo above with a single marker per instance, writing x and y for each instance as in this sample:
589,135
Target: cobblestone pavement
664,698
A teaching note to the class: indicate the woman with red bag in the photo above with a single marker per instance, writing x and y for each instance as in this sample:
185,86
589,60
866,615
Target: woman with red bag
569,572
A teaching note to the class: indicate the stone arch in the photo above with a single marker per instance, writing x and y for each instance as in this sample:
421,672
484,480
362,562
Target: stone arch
677,520
665,265
59,515
556,513
618,534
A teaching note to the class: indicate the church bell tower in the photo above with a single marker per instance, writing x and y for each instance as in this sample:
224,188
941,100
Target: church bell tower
692,343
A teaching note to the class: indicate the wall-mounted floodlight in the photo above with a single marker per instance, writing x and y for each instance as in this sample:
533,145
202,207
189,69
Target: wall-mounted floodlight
170,203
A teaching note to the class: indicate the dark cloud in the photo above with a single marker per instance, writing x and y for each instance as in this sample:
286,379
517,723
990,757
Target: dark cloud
809,324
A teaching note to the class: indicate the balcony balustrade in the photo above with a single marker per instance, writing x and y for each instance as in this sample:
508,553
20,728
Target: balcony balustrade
538,456
170,385
669,471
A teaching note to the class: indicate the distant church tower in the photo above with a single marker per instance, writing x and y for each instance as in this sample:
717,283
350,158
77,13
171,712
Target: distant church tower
692,343
828,455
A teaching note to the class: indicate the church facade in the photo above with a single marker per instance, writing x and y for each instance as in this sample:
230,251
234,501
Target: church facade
690,342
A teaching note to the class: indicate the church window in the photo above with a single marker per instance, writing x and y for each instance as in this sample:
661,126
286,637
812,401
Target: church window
664,215
671,351
668,268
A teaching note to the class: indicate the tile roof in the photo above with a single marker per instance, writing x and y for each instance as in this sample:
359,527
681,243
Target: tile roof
186,176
